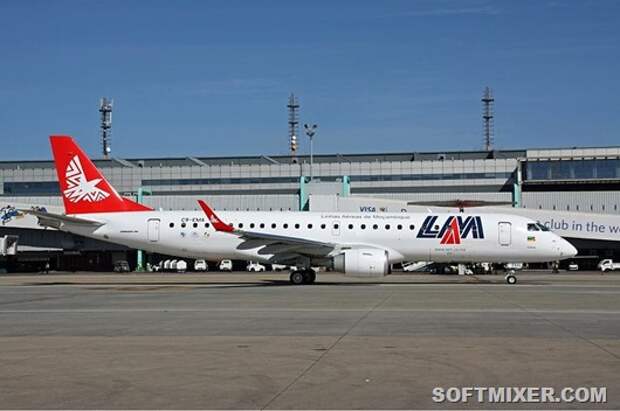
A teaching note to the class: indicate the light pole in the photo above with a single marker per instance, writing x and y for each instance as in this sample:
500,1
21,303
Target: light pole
310,131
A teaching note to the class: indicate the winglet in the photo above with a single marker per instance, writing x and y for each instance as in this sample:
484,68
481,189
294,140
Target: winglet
218,224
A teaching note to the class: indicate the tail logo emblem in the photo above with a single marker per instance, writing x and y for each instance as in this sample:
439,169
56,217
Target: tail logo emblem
78,187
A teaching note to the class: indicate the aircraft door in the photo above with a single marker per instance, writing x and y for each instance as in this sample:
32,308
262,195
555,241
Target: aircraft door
504,233
335,227
153,230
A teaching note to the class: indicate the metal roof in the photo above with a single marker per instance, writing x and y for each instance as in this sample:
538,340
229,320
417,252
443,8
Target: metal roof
286,159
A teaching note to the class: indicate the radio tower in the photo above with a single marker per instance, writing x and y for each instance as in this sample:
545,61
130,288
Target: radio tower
487,116
293,124
105,108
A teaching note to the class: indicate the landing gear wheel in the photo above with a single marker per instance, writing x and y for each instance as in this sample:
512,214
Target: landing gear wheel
511,279
309,277
297,278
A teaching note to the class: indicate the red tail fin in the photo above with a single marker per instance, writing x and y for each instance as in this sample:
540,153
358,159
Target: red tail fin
84,189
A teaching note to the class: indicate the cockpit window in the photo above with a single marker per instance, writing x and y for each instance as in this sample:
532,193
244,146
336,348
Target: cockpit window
542,227
532,227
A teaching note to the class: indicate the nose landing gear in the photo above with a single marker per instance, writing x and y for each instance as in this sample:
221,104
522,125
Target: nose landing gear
510,277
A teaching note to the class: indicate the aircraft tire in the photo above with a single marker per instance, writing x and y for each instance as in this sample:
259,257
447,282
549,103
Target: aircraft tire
511,279
297,278
309,276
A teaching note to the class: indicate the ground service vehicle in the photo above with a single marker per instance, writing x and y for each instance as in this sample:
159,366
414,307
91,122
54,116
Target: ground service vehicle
225,265
608,265
255,267
201,265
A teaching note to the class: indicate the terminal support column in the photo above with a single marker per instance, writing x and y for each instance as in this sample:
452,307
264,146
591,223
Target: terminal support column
140,257
516,186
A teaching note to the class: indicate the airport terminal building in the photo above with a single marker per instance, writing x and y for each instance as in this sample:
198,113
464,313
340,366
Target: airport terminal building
576,181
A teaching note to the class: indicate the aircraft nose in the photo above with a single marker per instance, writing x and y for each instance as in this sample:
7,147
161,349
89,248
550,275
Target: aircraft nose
567,250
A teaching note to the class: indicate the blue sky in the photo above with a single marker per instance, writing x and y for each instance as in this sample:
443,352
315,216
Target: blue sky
211,78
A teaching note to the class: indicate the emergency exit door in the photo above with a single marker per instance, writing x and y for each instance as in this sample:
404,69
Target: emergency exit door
504,231
153,230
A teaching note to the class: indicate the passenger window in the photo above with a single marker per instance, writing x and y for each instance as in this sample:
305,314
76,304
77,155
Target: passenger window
171,225
285,225
336,226
309,226
273,225
240,225
363,226
399,227
411,227
297,226
195,225
532,227
322,226
374,227
183,225
262,225
350,226
387,226
206,225
252,225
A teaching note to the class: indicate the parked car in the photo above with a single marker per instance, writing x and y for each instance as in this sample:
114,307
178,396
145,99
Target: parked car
225,265
201,265
121,266
573,267
173,265
278,267
416,266
181,266
255,267
608,265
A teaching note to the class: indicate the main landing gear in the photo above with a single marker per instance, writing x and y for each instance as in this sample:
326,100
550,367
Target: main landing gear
305,276
510,277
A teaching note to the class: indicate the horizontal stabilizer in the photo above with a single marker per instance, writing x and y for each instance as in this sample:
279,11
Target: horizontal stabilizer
58,220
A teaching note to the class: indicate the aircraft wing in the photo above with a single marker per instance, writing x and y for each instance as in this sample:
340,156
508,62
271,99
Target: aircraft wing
284,247
47,219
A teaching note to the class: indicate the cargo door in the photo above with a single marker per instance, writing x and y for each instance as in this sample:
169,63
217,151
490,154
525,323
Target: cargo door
153,230
504,233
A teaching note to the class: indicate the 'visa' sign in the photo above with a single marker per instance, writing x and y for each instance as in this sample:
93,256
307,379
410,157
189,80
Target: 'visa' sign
368,209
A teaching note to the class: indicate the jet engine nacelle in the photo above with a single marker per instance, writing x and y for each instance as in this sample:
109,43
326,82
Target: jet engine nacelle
363,262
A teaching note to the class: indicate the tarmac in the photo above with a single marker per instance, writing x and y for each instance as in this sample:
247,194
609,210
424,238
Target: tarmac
252,341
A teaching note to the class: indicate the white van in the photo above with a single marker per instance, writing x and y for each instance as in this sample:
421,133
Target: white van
201,265
181,266
225,265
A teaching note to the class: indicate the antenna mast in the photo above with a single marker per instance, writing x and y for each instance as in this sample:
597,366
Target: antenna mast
487,115
105,108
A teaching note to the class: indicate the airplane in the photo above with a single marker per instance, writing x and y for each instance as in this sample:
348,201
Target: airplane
356,244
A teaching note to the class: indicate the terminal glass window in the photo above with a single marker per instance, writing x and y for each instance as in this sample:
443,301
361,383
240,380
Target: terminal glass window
31,188
572,169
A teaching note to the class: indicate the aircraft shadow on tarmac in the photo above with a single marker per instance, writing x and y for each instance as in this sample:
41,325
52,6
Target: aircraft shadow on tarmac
125,286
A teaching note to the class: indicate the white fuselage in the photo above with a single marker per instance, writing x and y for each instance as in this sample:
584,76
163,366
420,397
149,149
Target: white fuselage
405,236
